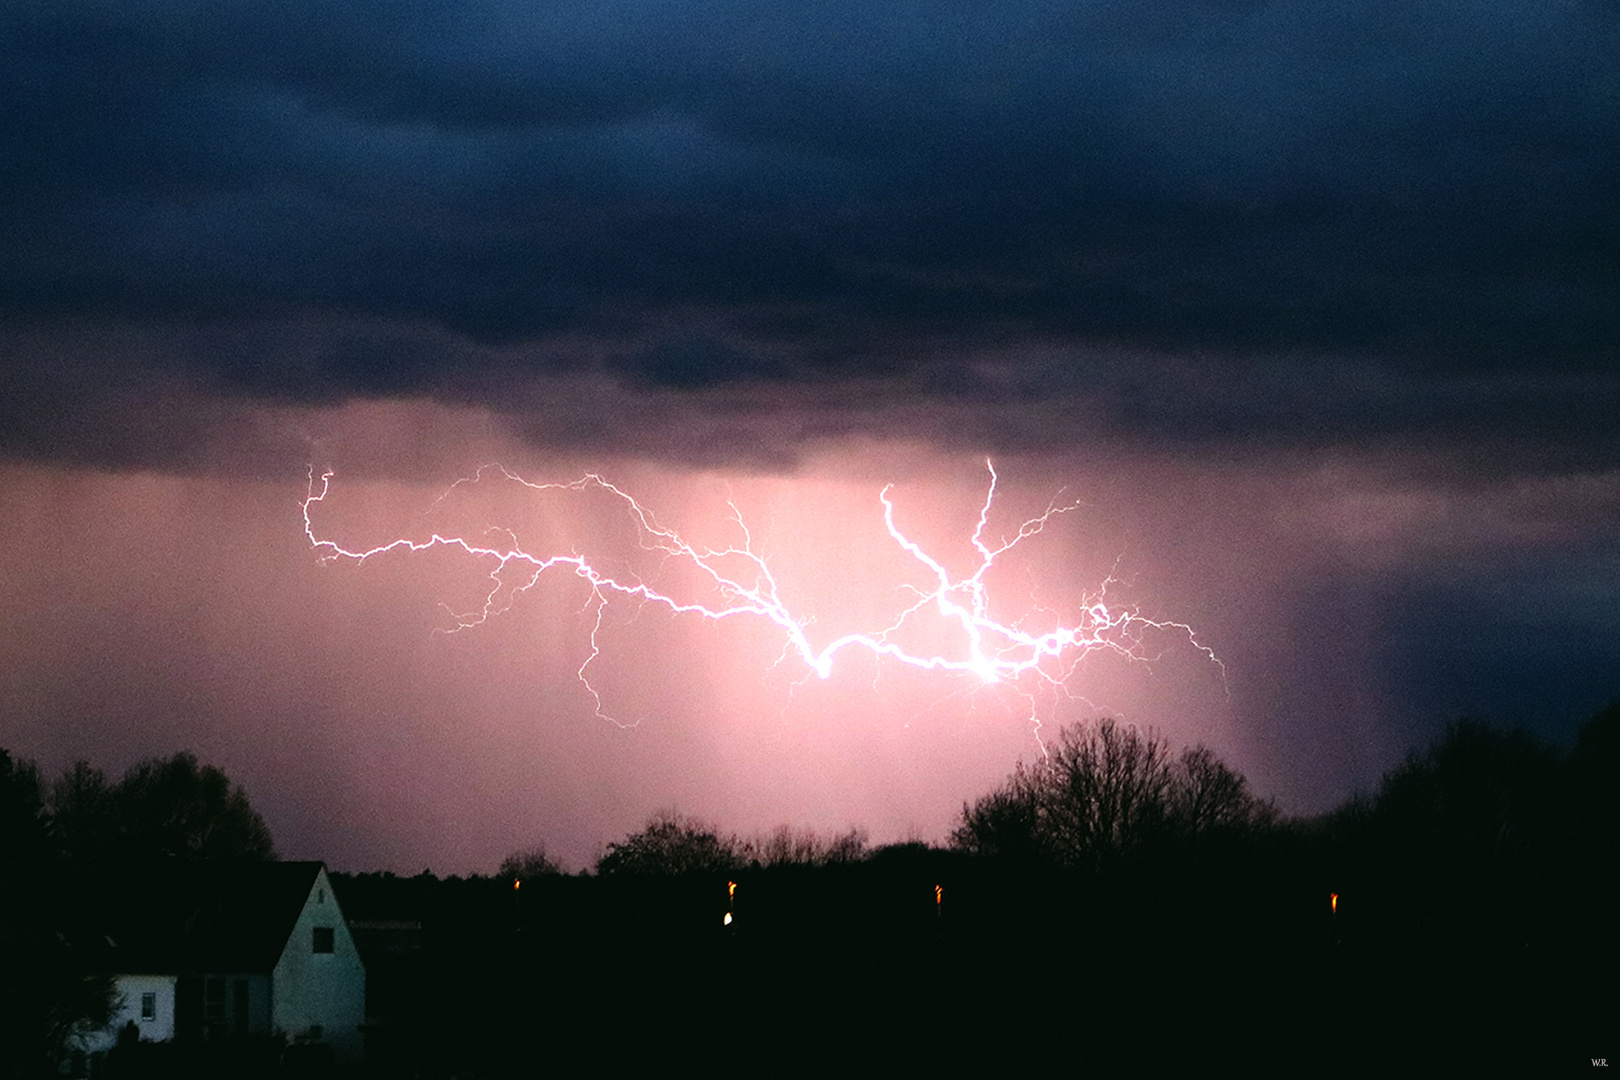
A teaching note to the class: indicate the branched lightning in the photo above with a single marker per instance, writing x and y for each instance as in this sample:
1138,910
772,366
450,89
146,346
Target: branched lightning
989,651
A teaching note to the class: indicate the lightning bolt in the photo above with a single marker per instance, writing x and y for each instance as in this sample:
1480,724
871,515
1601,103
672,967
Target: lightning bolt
738,583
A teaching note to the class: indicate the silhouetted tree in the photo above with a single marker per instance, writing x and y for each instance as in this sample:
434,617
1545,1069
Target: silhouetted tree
533,863
172,808
180,808
671,845
84,814
48,989
1008,823
1595,776
25,837
804,847
1105,792
1108,791
1476,794
1209,796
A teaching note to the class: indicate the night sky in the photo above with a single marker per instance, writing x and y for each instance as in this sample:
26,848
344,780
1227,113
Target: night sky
1311,309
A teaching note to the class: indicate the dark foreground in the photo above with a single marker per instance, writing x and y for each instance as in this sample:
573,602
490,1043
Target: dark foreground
866,969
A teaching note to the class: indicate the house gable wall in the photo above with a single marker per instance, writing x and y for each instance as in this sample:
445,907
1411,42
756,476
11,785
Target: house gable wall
324,990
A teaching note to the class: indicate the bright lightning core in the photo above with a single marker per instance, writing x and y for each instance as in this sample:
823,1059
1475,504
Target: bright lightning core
941,620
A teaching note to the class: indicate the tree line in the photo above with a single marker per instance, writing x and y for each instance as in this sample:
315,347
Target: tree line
1484,843
1103,794
1107,796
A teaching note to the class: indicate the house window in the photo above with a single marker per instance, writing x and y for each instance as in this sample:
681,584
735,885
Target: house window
323,939
148,1006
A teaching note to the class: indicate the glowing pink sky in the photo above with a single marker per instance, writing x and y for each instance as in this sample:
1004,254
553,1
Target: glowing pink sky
149,612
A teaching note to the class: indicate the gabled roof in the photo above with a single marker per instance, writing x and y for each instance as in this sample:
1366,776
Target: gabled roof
188,918
243,919
137,926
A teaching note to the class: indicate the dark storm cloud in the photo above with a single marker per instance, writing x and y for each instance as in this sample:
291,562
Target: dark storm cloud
249,398
1431,181
1532,646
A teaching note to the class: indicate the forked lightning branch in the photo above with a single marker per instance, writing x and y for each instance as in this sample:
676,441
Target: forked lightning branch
735,581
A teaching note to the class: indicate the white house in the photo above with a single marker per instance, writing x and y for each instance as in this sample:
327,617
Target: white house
260,949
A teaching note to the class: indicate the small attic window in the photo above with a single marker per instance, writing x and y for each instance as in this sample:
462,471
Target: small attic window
323,939
320,896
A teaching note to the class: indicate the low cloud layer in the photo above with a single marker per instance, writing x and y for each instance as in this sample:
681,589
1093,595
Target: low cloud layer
266,397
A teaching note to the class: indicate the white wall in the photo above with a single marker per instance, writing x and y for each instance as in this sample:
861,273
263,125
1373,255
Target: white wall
321,989
129,989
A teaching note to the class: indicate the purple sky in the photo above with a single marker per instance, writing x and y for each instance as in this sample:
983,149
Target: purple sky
1312,311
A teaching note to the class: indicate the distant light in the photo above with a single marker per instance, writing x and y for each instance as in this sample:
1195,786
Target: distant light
1333,902
939,894
727,920
517,882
